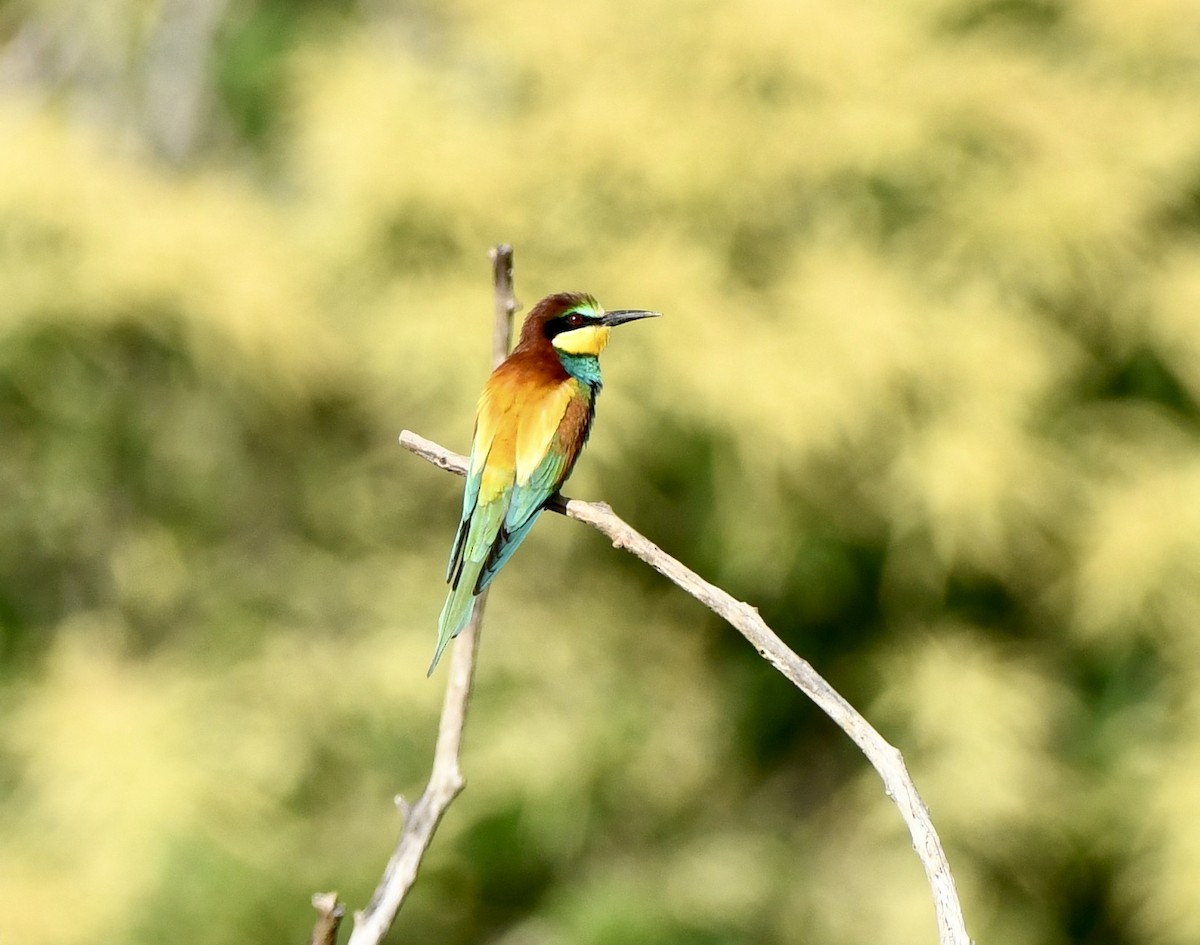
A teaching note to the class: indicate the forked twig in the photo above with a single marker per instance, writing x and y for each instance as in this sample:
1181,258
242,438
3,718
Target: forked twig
446,781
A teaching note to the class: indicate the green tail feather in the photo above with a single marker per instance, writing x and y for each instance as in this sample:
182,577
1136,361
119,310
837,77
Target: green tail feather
459,606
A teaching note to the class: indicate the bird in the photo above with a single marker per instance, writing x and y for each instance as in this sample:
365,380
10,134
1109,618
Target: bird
533,418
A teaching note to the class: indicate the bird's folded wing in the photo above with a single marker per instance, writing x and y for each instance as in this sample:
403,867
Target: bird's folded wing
539,415
479,454
527,438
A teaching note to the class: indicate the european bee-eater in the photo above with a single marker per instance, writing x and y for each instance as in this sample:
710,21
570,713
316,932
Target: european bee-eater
534,416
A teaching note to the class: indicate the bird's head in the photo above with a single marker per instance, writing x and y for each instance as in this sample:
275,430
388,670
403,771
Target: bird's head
575,324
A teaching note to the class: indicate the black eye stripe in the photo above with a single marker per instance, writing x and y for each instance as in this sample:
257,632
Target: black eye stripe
568,322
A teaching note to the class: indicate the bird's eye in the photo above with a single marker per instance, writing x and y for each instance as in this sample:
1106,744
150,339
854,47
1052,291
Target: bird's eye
574,319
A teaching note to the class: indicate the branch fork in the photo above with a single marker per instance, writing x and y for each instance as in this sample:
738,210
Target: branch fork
446,781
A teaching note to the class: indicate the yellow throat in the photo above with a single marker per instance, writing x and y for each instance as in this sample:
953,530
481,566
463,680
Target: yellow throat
590,339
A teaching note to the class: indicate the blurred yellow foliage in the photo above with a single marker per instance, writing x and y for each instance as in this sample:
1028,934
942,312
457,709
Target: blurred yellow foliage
927,392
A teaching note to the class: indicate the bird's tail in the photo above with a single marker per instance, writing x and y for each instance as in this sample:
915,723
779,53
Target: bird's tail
460,603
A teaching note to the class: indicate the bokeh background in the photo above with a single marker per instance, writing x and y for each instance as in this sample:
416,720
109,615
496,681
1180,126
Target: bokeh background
926,393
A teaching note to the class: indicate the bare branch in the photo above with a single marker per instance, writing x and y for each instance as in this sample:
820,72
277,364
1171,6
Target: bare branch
446,780
329,917
886,759
505,301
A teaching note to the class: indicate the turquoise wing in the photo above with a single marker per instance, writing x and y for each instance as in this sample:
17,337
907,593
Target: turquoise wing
524,507
470,499
490,531
472,549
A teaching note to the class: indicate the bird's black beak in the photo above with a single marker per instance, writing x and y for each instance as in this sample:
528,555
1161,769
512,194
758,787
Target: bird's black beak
626,315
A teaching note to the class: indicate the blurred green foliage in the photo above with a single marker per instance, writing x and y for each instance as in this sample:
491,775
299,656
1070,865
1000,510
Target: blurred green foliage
927,393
